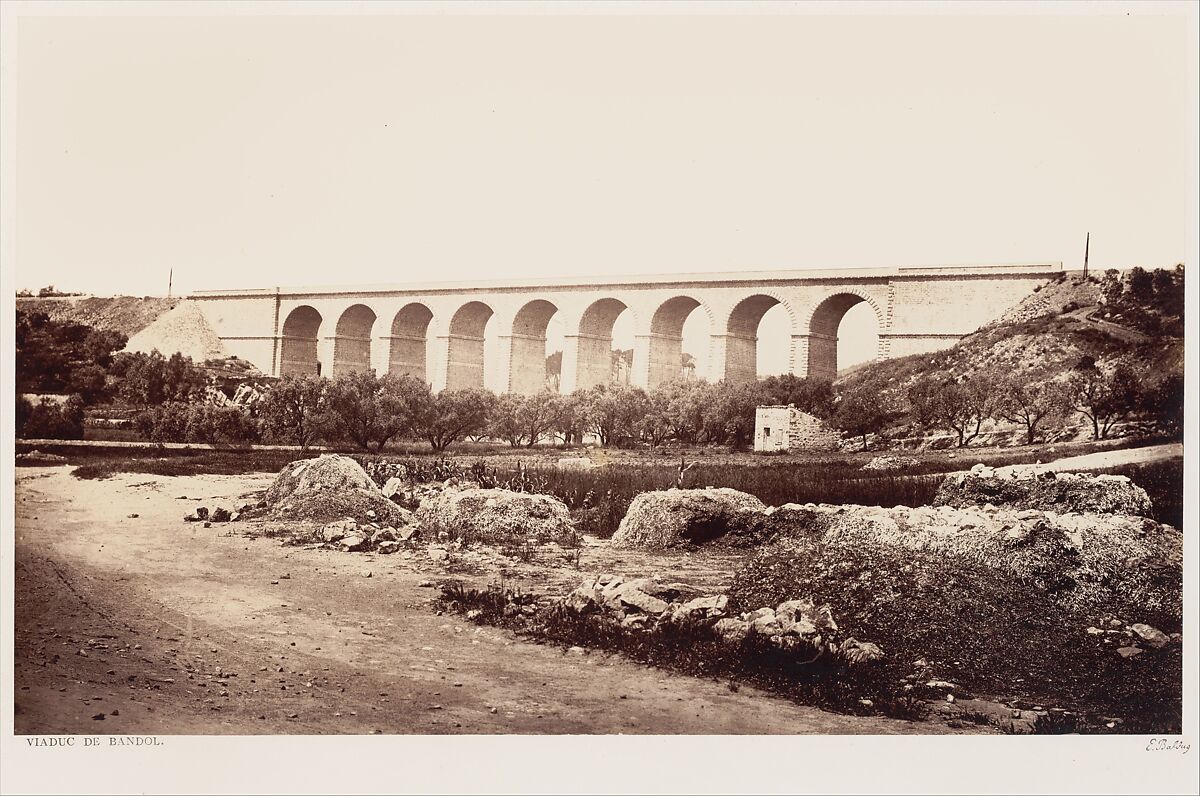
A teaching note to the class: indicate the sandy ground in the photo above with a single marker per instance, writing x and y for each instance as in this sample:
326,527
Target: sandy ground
146,624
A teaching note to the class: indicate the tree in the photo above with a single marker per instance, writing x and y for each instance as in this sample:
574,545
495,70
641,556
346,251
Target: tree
1165,402
568,420
292,410
1141,285
448,416
50,419
365,409
152,379
58,357
960,407
730,414
814,396
613,413
1030,402
523,419
860,412
656,425
687,403
1103,398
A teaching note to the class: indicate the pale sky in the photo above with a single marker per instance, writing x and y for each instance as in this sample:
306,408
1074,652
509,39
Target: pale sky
264,151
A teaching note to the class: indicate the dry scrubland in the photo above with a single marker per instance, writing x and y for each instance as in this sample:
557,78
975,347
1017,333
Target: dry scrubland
1034,603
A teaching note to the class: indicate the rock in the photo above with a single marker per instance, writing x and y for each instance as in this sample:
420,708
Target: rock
220,514
393,487
327,488
622,596
371,514
406,533
1026,487
700,608
132,516
336,531
1151,635
353,543
201,513
366,573
235,516
803,614
496,516
1129,652
388,547
733,631
679,517
437,554
426,584
890,463
387,534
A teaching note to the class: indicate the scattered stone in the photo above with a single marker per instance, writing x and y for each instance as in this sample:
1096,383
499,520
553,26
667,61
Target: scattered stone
1151,635
1129,652
220,514
133,516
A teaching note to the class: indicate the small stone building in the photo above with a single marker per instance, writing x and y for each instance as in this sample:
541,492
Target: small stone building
783,428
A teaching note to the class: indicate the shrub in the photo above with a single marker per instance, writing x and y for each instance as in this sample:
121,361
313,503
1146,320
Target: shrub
197,422
49,419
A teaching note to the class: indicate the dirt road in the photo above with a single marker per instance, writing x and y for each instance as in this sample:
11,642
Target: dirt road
144,624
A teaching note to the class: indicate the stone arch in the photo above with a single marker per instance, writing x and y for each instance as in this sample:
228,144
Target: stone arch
527,347
352,340
665,348
740,331
299,342
822,329
409,341
465,349
592,342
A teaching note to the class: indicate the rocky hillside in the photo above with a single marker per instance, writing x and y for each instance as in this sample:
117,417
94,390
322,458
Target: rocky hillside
125,314
1128,317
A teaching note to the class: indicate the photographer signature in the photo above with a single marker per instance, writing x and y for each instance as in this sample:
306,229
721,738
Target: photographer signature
1168,745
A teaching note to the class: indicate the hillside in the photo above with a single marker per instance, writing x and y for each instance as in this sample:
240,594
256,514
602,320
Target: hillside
125,314
1111,317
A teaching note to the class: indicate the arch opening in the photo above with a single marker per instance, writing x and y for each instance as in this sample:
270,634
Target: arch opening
528,367
408,353
299,342
465,360
596,360
352,340
742,338
861,335
673,323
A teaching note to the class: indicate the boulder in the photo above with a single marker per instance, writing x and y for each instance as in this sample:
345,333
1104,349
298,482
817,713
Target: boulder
1030,487
393,488
1151,635
624,596
353,542
336,531
680,517
733,631
220,514
860,652
496,516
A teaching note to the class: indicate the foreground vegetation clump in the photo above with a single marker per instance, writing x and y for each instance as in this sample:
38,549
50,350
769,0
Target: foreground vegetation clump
496,516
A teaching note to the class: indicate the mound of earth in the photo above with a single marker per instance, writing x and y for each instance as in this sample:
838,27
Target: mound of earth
495,516
183,329
957,623
1032,488
1090,562
678,517
329,487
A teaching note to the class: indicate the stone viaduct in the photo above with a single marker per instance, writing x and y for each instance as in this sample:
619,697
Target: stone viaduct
436,330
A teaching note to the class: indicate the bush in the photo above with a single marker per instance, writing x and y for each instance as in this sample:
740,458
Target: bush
50,420
198,422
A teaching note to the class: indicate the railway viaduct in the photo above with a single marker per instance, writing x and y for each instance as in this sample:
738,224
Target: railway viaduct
436,330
